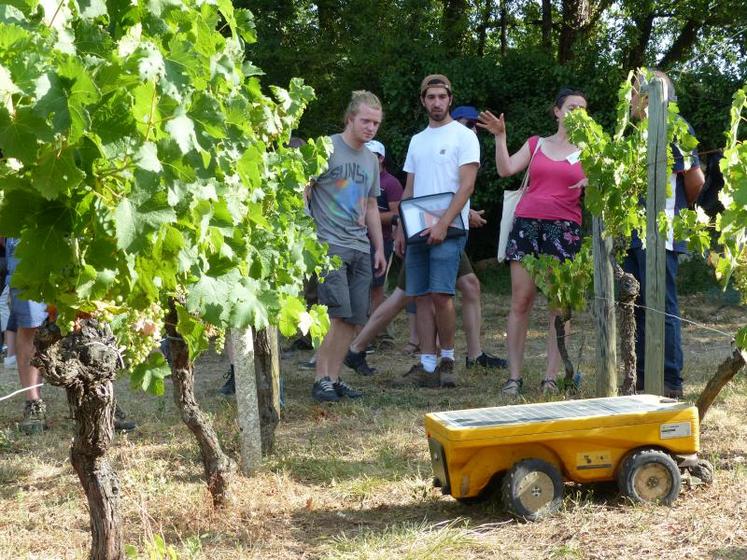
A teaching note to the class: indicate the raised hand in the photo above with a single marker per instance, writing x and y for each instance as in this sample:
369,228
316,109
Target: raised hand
491,123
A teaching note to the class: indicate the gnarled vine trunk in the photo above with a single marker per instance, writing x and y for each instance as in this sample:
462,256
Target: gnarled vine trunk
85,363
560,321
219,468
628,289
725,372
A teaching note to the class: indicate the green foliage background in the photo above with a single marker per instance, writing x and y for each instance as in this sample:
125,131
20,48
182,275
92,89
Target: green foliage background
387,47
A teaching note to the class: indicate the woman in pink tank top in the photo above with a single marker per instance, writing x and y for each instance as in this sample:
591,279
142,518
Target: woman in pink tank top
547,221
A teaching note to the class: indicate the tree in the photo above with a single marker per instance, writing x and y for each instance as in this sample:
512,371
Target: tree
146,173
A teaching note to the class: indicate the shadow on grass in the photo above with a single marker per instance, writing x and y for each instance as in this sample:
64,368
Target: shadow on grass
317,526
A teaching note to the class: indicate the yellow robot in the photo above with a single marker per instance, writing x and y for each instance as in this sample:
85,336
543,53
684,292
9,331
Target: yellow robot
641,441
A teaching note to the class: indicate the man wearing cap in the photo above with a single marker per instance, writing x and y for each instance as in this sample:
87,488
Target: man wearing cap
388,203
443,158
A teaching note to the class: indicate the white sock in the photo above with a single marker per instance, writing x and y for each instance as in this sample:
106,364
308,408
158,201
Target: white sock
428,362
447,353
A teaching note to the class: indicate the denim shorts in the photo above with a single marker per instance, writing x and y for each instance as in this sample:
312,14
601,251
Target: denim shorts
26,314
432,269
347,291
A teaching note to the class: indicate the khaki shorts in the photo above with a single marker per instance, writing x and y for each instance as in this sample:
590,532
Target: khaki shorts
347,291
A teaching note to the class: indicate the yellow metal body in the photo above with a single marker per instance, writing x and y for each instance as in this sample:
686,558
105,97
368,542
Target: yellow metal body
585,439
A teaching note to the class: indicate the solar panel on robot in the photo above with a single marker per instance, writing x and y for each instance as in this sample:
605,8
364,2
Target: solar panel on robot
642,441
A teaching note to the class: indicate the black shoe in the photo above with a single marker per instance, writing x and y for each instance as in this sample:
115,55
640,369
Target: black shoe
672,392
323,390
487,361
121,424
229,387
445,371
357,362
301,343
344,390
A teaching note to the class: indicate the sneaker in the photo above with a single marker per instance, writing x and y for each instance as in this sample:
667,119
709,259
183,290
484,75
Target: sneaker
344,390
487,361
301,343
370,349
308,366
323,390
549,387
121,423
10,363
357,362
445,370
229,387
512,387
34,417
416,376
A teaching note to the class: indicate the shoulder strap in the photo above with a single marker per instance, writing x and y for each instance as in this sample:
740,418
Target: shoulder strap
525,180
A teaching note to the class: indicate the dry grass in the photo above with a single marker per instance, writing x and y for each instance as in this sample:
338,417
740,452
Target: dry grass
352,480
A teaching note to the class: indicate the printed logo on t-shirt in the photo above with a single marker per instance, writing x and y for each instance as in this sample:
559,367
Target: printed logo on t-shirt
351,182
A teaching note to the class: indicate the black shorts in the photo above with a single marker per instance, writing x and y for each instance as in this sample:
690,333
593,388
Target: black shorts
559,238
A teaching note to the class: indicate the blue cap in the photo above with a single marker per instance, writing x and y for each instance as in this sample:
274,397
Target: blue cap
465,112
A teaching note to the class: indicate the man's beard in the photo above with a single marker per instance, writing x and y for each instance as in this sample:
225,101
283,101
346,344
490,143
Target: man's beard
438,117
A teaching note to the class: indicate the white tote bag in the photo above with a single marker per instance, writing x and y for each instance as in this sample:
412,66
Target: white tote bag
510,202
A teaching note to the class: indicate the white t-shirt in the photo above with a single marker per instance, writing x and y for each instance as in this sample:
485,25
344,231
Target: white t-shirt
435,156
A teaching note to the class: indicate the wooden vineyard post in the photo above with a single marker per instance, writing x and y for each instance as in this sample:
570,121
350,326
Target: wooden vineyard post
604,311
655,243
267,369
250,434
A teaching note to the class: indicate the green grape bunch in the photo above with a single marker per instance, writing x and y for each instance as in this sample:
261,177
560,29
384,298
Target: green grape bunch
144,160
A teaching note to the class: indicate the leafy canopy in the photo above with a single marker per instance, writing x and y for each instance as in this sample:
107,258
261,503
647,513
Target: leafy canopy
144,162
616,166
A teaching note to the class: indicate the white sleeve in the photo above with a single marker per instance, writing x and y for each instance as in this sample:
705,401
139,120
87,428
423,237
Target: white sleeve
409,166
469,148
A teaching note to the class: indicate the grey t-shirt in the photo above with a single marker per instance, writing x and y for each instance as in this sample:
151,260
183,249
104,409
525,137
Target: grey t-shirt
340,196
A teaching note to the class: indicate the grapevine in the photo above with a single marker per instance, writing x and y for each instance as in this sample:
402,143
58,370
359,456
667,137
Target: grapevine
144,161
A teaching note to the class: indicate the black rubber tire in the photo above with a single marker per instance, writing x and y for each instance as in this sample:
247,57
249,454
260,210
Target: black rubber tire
532,489
650,475
703,470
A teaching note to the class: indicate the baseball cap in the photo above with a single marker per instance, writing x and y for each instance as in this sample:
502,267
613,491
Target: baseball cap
376,147
465,112
435,80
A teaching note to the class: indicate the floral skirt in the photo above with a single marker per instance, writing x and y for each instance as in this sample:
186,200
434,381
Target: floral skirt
529,236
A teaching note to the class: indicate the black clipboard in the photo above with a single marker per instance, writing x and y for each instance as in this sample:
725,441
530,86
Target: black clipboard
422,212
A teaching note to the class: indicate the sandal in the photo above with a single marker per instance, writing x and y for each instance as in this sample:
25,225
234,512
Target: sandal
549,387
411,349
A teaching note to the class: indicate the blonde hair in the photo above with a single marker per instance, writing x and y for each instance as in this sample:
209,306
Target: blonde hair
358,98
